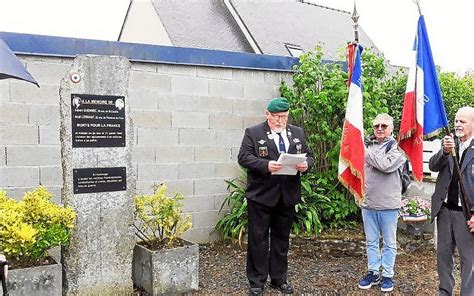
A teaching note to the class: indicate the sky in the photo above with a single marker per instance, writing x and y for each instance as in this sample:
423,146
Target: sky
91,19
391,24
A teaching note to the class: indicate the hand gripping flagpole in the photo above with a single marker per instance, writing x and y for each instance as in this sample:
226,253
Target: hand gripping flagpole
465,202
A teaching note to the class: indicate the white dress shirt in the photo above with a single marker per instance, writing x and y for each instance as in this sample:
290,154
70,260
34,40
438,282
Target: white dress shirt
276,139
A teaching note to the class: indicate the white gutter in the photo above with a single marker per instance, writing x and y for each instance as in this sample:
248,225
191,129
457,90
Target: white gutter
243,27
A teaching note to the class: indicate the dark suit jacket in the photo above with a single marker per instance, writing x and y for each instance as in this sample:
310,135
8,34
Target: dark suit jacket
256,151
444,164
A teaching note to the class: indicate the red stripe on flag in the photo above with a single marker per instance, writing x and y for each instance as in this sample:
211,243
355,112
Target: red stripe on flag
410,137
413,148
352,154
350,61
352,182
408,123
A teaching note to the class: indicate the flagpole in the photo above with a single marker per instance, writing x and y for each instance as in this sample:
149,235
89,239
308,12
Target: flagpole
352,46
465,203
355,18
417,2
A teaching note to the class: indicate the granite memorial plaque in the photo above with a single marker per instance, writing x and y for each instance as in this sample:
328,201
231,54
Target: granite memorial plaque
92,180
98,121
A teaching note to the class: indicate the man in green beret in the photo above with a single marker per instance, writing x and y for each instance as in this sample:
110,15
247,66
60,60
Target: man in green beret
271,198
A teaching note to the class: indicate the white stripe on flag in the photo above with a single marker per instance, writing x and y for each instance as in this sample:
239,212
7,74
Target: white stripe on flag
354,107
420,95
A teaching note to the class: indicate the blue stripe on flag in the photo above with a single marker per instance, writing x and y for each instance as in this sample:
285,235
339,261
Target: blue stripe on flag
357,71
434,112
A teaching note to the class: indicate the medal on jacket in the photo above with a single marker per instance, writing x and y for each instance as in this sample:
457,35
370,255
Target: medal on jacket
263,151
299,148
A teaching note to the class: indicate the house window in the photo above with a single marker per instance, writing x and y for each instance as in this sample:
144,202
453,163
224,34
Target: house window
294,50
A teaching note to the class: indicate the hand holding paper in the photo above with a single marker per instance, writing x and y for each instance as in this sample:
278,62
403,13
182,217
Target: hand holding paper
289,163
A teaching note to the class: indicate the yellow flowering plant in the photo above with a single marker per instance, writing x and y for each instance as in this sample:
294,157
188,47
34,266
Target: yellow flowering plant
158,218
32,225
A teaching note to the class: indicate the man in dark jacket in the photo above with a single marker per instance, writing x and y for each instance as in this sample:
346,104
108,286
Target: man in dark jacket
446,204
271,198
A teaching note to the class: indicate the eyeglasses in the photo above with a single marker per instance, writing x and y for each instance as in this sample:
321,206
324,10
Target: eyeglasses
277,117
382,125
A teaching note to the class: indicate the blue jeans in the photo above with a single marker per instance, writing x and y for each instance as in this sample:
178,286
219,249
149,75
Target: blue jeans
383,223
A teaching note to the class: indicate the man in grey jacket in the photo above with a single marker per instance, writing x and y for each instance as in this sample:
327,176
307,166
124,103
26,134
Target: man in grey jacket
383,164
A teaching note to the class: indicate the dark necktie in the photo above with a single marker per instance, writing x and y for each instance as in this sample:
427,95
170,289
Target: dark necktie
453,190
281,144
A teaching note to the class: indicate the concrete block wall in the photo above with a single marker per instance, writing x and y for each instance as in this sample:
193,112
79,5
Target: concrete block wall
29,129
188,125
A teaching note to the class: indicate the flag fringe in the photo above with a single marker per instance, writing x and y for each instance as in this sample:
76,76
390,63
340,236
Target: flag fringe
432,134
409,159
358,174
411,132
359,198
354,171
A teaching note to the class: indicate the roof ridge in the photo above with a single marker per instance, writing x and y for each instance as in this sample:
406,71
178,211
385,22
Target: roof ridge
322,6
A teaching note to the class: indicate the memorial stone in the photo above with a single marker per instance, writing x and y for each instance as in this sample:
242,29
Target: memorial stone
96,139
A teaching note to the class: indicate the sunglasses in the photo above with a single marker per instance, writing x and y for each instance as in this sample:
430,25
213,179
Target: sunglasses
382,125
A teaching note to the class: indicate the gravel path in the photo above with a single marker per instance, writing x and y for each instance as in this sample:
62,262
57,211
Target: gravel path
329,265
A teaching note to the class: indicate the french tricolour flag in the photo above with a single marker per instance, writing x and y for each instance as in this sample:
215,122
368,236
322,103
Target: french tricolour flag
423,109
351,157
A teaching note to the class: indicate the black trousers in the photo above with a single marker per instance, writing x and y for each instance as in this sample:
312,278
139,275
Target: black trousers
268,243
3,278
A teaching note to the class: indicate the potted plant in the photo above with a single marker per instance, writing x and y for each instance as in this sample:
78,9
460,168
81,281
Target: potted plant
415,209
28,229
162,262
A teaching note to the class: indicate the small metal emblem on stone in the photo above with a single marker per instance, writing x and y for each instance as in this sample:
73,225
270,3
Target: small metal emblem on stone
75,77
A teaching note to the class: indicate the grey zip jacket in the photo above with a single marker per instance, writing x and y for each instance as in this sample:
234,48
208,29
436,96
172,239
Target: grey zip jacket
382,175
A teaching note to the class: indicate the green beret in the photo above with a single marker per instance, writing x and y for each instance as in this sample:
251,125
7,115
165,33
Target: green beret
278,105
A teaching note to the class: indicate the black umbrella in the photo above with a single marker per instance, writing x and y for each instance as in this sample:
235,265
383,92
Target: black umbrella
11,67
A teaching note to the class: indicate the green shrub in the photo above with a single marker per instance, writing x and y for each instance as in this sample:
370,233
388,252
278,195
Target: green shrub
158,218
233,223
457,92
307,216
31,226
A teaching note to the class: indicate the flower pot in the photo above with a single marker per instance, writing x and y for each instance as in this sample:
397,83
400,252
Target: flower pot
167,271
39,280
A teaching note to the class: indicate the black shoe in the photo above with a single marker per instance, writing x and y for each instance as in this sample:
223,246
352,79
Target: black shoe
256,291
285,288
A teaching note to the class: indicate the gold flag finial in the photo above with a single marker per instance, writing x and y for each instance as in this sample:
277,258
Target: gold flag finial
355,18
417,2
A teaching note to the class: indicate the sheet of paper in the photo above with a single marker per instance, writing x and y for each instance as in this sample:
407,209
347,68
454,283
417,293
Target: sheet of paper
289,161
